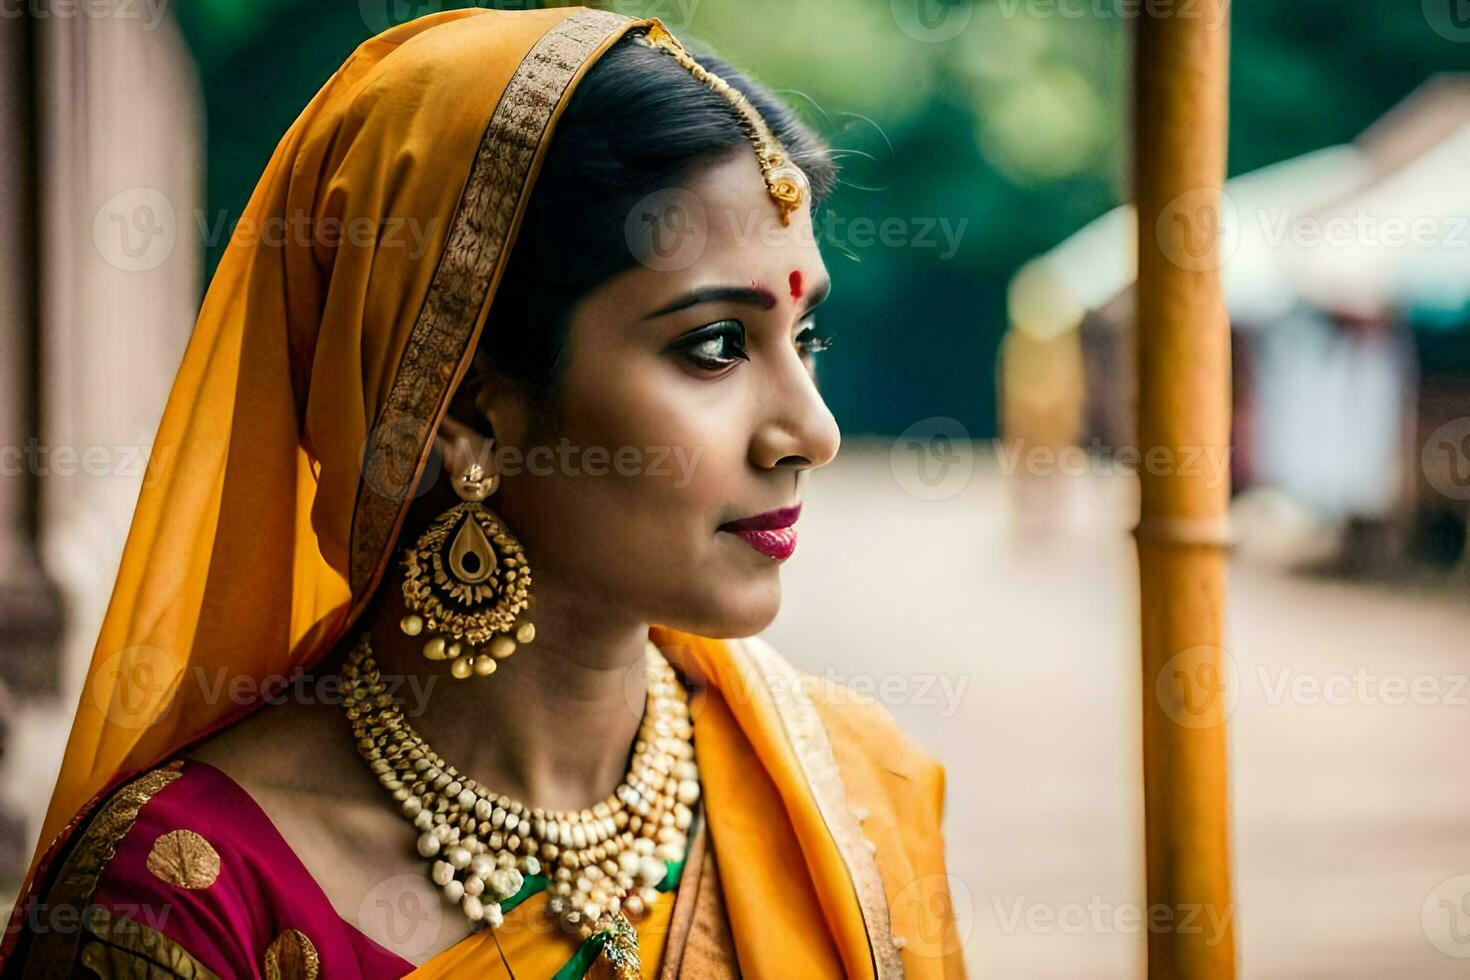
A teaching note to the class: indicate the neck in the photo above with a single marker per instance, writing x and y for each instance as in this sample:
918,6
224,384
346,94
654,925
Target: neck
554,726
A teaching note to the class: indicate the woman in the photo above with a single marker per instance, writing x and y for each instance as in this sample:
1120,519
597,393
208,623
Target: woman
443,451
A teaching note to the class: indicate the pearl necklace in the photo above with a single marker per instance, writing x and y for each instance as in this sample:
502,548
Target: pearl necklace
604,863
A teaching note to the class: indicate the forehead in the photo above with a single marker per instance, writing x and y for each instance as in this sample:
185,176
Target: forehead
740,216
717,227
727,227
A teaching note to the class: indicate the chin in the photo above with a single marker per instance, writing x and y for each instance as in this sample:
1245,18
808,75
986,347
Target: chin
734,607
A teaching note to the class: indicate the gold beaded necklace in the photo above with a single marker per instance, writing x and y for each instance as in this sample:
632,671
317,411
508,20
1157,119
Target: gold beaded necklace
602,864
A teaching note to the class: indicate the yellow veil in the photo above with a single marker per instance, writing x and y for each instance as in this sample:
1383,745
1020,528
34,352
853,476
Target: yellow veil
343,313
342,316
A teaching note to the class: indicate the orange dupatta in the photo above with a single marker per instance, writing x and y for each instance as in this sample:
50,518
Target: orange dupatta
341,318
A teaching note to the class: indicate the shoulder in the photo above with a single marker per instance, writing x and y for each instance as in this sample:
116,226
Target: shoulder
180,868
115,896
867,743
892,792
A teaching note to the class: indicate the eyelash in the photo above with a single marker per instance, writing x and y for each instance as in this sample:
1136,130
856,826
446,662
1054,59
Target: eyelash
808,343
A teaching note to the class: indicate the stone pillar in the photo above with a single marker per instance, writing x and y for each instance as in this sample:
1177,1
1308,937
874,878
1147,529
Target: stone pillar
111,270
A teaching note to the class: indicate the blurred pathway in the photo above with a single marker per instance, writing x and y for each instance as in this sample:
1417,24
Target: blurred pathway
1006,644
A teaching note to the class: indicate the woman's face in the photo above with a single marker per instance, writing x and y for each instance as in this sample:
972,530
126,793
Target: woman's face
689,401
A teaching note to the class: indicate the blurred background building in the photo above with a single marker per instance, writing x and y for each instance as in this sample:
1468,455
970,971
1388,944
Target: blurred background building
981,246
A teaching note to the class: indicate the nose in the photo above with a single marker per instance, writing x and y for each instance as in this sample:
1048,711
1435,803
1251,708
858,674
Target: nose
797,429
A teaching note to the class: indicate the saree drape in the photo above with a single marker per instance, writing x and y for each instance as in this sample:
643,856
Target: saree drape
342,316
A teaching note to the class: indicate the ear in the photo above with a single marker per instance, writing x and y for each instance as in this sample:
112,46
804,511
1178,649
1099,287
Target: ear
501,403
460,445
488,408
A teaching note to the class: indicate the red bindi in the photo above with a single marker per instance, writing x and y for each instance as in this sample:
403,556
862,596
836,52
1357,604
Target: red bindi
795,284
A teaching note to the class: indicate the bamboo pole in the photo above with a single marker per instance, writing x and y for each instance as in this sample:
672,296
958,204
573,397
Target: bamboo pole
1180,127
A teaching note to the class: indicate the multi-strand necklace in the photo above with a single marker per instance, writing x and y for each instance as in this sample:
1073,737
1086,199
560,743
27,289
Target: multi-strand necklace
602,864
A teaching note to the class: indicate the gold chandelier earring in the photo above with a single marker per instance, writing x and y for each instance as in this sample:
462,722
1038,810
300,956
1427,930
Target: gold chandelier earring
466,583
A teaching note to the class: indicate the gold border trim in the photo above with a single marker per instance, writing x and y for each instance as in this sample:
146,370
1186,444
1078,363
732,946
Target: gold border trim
813,750
54,952
478,237
125,948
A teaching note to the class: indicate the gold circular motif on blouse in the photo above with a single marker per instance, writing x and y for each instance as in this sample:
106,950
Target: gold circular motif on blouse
184,859
291,956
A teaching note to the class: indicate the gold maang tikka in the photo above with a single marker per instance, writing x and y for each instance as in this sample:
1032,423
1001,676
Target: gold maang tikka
785,181
466,583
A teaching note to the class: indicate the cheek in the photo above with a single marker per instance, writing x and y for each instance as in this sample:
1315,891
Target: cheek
683,444
666,473
646,537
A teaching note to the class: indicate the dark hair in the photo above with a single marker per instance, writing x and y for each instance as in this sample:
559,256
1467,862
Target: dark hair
637,122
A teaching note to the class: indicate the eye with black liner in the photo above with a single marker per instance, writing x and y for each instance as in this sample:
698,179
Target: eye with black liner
809,342
715,346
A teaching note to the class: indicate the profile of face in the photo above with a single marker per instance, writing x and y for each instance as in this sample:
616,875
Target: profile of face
689,400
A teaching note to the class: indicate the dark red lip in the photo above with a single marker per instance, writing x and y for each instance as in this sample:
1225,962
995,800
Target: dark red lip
769,521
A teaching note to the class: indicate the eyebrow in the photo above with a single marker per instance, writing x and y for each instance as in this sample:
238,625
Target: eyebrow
747,295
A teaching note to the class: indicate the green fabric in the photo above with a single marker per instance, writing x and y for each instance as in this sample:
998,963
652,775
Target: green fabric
583,958
591,947
530,885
